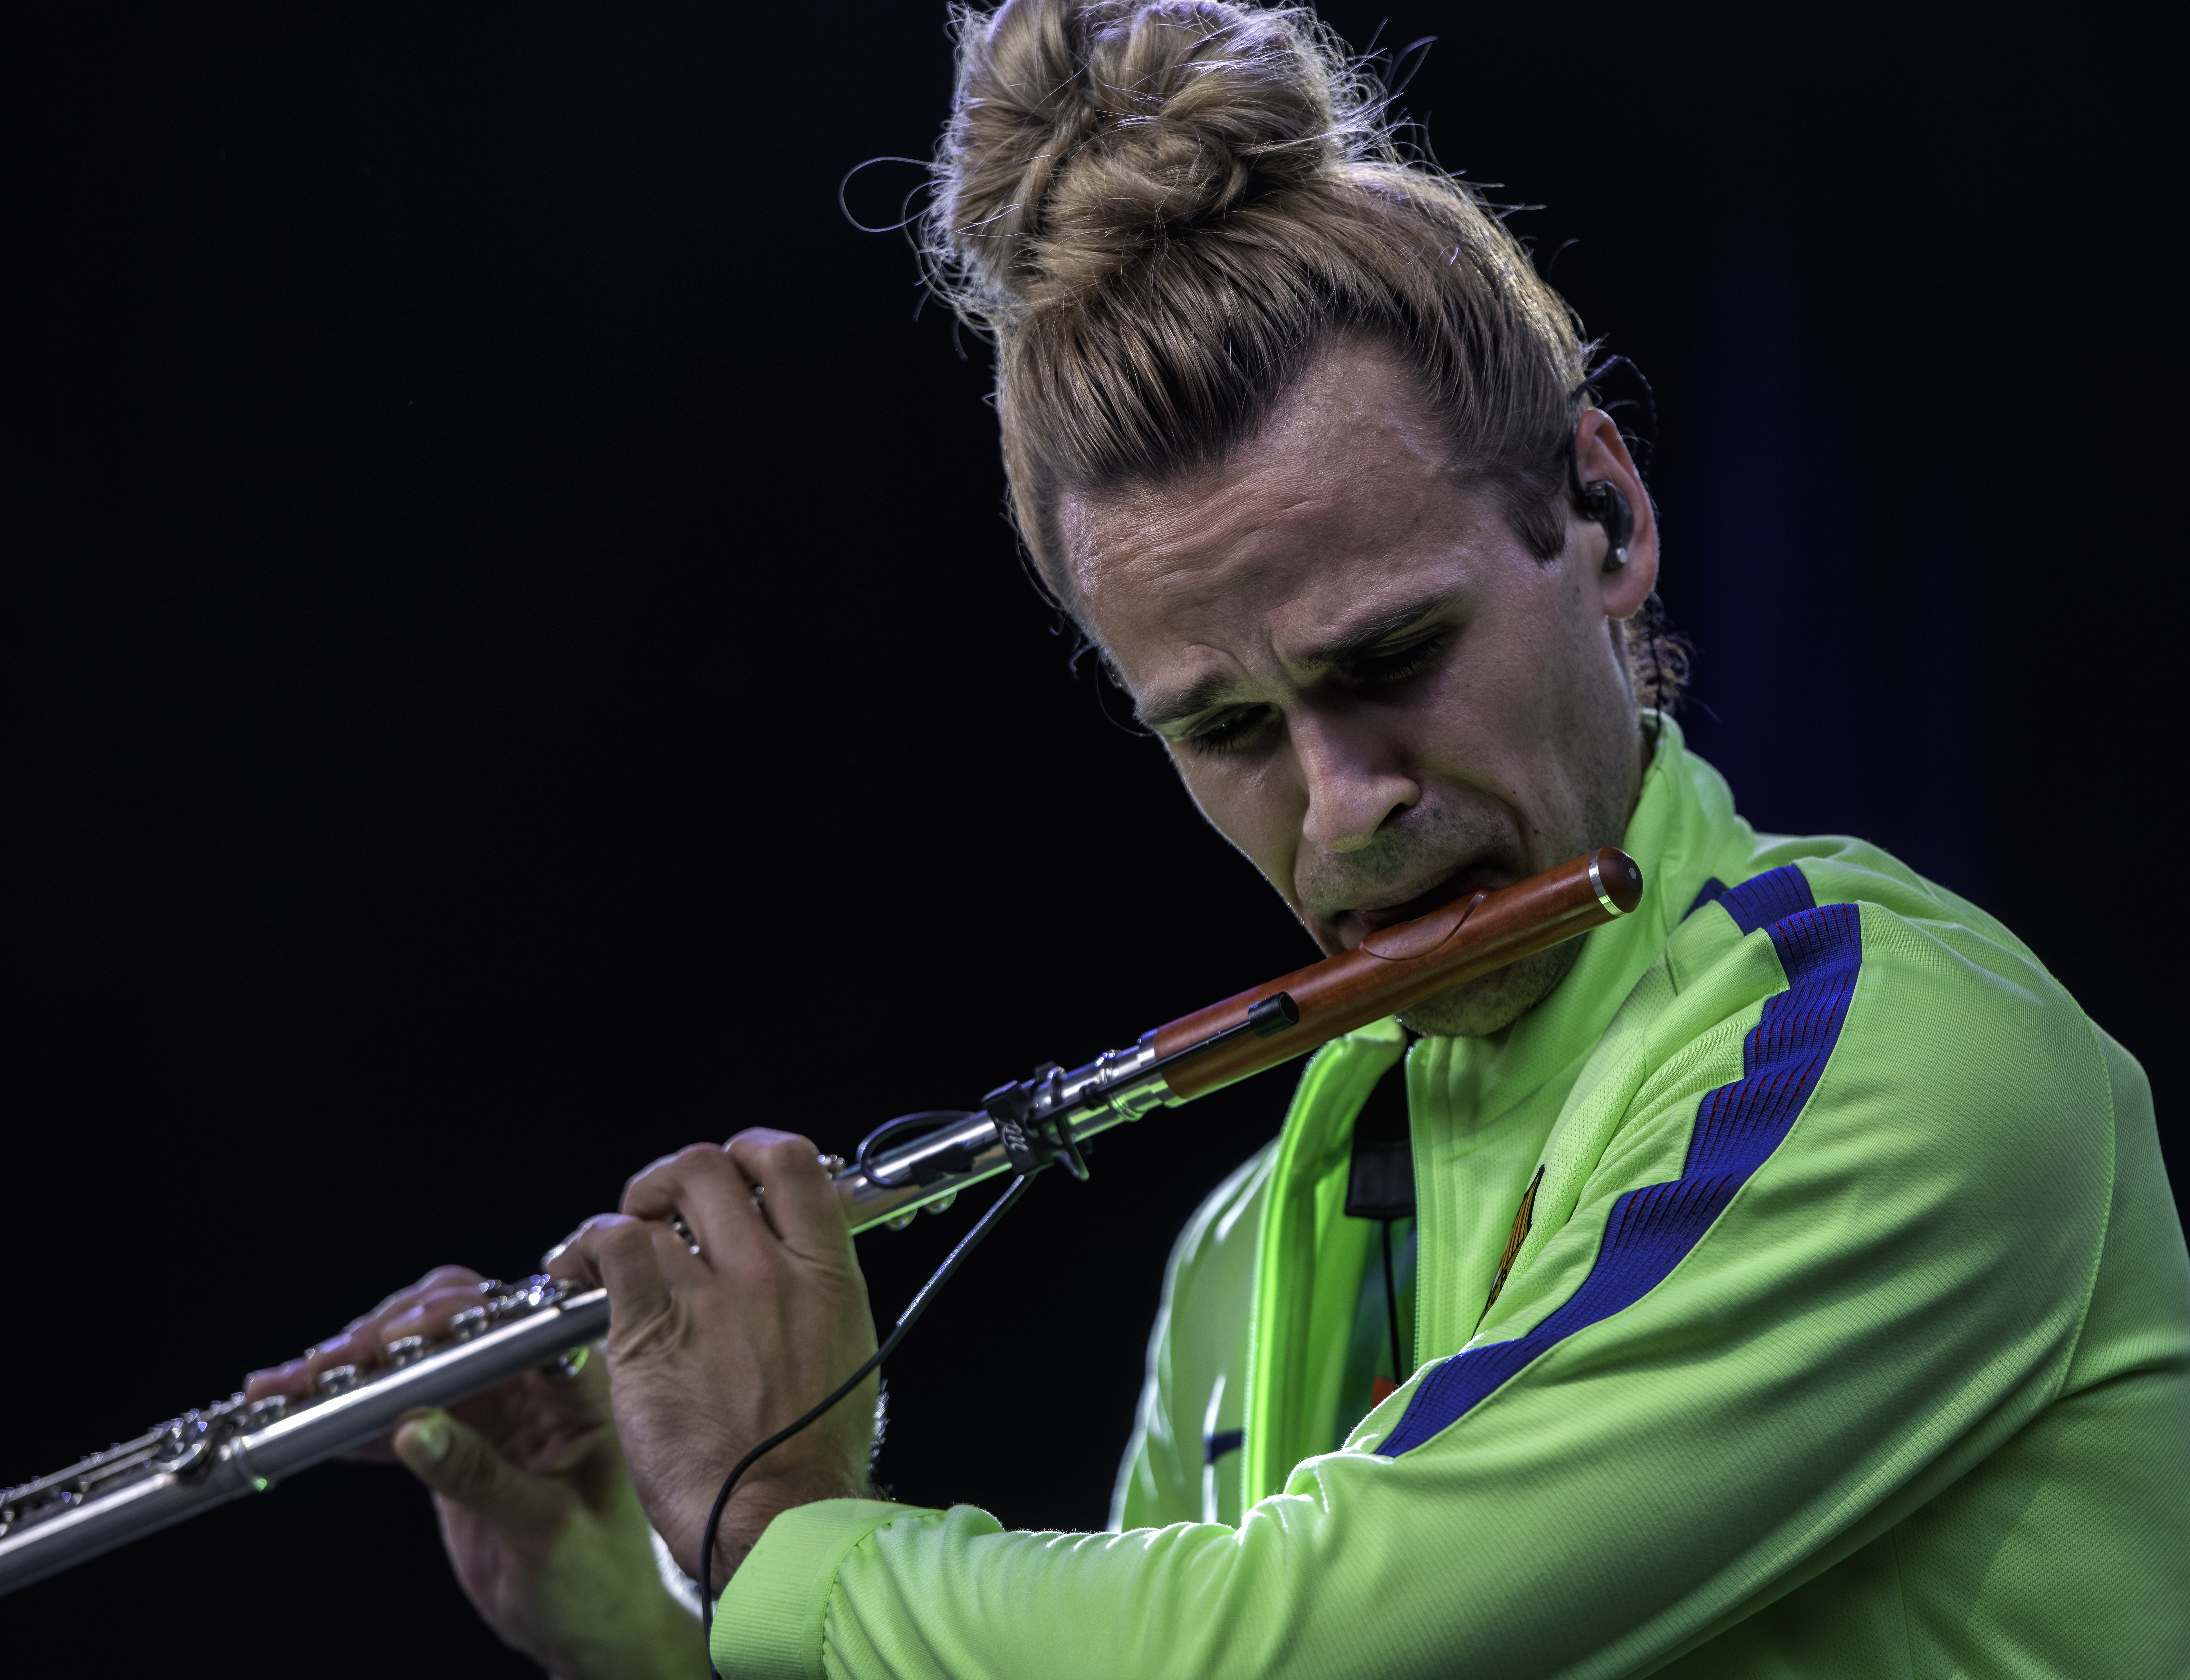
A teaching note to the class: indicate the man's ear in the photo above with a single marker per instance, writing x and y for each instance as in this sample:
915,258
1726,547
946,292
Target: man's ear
1601,456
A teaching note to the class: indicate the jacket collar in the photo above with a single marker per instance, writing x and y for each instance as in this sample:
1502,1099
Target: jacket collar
1684,822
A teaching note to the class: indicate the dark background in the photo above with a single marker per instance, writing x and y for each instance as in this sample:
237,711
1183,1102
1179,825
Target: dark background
513,662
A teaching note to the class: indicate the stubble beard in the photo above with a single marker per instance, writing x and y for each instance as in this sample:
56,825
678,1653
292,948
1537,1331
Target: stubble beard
1489,1005
1493,1003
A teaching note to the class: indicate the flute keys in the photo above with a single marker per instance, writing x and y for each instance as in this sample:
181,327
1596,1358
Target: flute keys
403,1351
565,1366
271,1410
337,1380
186,1446
538,1290
468,1323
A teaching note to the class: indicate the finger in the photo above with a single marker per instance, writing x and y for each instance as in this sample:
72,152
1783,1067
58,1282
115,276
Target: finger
700,1183
803,1206
286,1378
441,1277
360,1341
571,1261
575,1259
298,1376
461,1465
626,1256
426,1316
547,1260
442,1283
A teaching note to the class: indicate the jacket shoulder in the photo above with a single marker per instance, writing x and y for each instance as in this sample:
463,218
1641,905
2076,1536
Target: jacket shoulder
1838,869
1947,1013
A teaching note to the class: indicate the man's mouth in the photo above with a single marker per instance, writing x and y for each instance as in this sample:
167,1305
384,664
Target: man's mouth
1356,924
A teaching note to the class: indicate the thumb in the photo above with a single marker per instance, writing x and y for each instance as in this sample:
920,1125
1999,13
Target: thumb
463,1466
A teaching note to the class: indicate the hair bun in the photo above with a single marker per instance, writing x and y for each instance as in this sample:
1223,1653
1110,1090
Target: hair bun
1088,135
1162,211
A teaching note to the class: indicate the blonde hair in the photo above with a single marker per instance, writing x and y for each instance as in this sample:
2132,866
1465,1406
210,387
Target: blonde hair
1163,210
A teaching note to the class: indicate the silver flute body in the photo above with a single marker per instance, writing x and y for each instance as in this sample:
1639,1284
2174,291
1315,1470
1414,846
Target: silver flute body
206,1457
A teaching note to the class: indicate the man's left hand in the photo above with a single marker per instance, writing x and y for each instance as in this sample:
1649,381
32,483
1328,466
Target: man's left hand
710,1353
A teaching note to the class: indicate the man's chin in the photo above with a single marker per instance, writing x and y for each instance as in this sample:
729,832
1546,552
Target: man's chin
1495,1002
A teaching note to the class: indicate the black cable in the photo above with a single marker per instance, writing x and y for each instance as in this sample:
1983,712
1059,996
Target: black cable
1392,1304
933,1119
904,1322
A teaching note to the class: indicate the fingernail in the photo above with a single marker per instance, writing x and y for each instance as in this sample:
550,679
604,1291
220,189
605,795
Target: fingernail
430,1436
556,1253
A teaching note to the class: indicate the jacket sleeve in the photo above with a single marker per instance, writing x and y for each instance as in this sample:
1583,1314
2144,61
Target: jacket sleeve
1832,1246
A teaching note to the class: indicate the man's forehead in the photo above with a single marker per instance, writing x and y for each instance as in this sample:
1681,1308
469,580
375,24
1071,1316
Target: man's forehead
1348,461
1182,567
1287,569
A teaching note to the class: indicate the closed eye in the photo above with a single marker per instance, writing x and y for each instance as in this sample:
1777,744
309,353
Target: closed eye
1235,730
1241,728
1385,667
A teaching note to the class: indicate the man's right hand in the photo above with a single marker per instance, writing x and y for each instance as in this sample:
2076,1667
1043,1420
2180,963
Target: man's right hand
537,1510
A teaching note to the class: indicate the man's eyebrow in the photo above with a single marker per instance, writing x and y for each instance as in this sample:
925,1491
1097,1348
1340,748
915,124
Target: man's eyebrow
1350,643
1196,696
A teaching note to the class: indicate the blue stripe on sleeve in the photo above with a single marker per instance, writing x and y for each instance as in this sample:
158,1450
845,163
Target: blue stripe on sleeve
1651,1229
1714,890
1763,900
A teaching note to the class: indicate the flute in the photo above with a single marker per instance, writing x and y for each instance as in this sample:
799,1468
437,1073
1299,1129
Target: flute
209,1455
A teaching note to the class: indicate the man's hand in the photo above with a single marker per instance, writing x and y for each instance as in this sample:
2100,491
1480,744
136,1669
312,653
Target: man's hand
537,1510
710,1352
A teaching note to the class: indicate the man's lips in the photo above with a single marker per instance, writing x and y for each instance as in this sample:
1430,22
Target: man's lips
1355,925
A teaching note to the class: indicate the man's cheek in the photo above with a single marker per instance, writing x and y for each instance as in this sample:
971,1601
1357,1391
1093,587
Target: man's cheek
1264,829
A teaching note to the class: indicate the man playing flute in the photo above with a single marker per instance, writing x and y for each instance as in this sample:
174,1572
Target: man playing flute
1794,1286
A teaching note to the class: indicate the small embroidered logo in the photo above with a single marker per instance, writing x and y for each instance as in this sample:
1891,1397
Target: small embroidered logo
1523,1222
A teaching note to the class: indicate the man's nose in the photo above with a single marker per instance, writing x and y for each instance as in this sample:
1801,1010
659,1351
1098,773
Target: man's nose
1353,787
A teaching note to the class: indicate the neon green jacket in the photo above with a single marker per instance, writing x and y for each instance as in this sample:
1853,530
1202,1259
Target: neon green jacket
1849,1335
